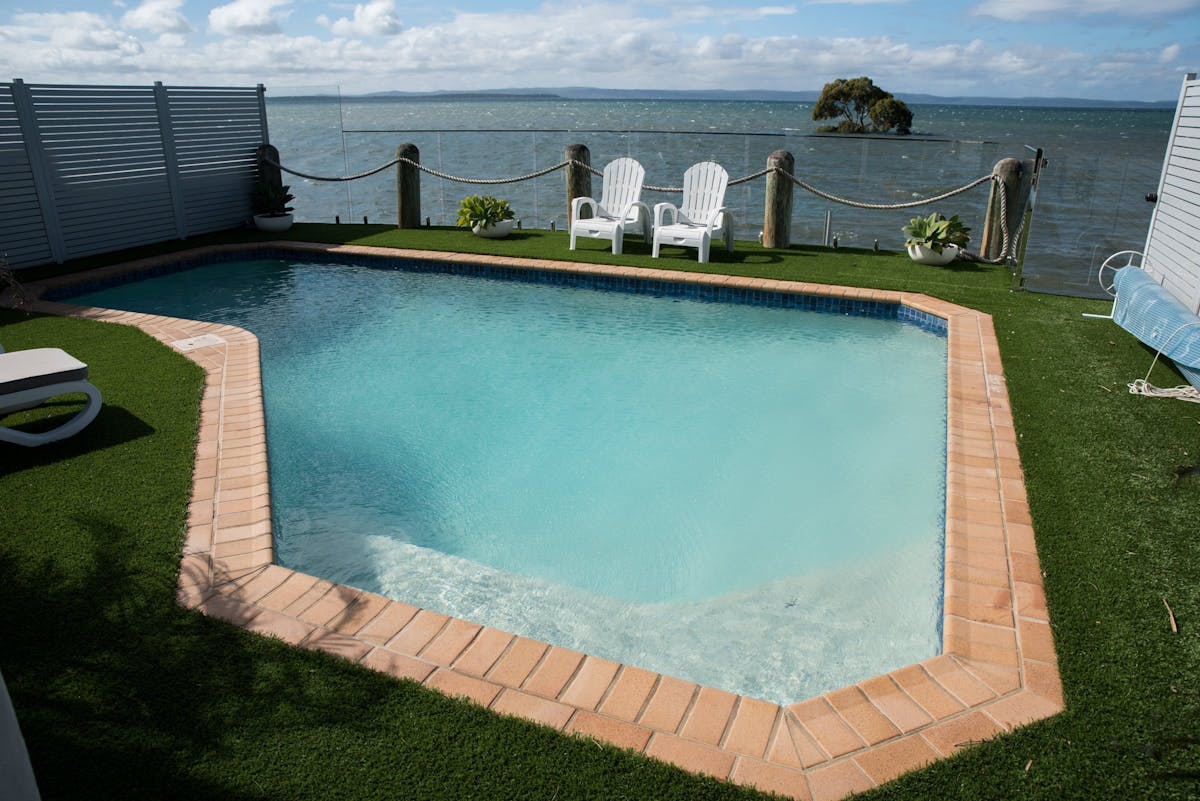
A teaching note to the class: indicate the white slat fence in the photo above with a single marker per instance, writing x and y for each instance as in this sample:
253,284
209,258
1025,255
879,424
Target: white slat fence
92,169
1173,242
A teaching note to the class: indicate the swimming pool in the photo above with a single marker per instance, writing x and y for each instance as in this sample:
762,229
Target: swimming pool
737,546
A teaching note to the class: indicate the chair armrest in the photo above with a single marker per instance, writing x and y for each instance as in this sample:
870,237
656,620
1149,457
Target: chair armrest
660,212
717,218
577,205
628,213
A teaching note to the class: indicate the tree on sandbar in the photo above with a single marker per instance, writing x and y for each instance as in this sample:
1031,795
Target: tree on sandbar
857,100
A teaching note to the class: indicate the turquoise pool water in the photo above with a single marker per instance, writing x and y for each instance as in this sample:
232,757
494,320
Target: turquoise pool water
743,496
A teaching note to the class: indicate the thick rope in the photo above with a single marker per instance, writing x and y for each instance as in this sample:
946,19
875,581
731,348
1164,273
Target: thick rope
486,181
299,174
1004,254
880,206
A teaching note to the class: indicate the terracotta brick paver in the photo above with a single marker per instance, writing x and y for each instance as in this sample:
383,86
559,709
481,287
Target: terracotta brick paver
997,669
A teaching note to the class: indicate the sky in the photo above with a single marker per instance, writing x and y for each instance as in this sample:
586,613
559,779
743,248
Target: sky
1099,49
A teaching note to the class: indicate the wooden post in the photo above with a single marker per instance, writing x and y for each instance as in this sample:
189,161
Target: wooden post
1015,180
579,179
777,210
408,187
268,157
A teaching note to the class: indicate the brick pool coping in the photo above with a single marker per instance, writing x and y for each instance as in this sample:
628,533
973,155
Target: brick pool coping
997,669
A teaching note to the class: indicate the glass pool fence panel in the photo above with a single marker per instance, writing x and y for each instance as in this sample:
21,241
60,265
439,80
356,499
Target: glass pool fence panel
1089,206
305,125
1090,201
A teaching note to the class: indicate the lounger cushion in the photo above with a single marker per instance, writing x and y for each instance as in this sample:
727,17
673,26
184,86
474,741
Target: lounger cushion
38,367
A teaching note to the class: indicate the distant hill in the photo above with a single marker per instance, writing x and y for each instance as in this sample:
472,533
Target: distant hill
592,93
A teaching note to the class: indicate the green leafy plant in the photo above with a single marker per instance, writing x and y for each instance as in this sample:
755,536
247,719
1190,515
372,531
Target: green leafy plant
483,210
272,199
935,232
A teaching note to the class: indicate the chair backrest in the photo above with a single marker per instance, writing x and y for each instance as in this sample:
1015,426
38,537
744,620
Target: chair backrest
703,191
622,184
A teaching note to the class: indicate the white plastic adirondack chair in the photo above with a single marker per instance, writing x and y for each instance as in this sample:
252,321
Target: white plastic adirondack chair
700,216
619,205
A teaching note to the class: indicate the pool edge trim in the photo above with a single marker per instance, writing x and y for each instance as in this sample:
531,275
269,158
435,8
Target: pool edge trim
998,669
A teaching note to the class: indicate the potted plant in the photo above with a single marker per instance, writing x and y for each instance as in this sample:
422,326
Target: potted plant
486,216
271,209
935,239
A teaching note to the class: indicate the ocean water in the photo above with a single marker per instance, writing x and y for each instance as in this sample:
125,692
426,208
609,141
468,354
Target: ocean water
669,483
1100,164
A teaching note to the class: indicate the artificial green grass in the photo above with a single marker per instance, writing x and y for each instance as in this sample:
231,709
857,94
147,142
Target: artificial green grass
123,695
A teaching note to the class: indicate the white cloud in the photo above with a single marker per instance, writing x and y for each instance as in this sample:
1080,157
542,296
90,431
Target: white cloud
248,17
1019,10
159,16
375,18
68,36
610,43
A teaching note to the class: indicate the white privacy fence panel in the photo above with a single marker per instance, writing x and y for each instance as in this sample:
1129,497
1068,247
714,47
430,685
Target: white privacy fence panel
110,167
1173,244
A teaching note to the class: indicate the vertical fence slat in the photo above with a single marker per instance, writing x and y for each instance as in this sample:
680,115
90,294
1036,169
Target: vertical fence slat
40,170
162,103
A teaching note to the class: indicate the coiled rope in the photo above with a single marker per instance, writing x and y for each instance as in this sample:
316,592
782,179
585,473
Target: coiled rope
858,204
1142,386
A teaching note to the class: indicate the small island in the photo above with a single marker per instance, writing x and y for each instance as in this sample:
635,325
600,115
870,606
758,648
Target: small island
857,100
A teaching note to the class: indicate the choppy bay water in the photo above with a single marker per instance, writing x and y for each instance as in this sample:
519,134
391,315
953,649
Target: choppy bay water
1101,164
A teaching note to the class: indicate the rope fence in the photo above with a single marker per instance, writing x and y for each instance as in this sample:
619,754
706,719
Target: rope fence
989,178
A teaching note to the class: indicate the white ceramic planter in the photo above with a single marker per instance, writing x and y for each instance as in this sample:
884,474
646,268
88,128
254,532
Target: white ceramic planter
274,224
923,255
497,230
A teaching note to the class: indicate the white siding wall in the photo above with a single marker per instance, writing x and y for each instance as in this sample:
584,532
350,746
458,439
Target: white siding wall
91,169
1173,243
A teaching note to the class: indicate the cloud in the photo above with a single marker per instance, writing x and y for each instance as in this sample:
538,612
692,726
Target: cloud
375,18
609,43
159,16
1019,10
71,37
248,17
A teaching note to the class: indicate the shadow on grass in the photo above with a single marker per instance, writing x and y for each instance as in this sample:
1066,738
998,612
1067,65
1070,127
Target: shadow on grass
112,426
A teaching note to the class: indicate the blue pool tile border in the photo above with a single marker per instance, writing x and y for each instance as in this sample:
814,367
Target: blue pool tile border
690,290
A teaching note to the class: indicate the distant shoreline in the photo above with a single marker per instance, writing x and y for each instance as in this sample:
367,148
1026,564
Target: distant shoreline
751,95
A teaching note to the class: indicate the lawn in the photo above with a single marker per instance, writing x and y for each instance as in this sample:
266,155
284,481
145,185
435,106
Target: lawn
122,694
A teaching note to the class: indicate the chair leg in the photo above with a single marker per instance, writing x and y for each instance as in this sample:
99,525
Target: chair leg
618,240
703,248
654,248
67,429
572,237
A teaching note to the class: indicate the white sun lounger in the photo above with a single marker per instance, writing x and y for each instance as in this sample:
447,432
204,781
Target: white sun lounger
29,378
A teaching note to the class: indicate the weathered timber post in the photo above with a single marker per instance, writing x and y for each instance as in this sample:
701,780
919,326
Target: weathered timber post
579,179
777,210
1015,179
408,187
268,172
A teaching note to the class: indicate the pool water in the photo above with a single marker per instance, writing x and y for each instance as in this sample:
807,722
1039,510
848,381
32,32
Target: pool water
743,496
